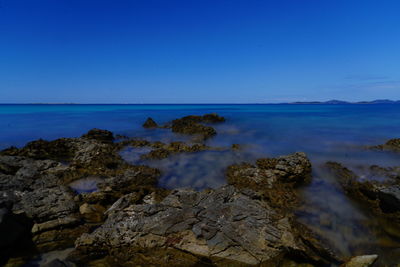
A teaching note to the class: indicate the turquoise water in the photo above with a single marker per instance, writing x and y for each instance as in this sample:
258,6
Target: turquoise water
324,132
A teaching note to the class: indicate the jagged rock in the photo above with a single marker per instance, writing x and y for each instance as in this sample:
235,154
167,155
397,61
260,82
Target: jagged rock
47,204
361,261
274,178
150,123
224,225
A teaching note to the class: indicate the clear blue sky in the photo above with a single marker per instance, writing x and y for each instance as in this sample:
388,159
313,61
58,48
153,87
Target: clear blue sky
198,51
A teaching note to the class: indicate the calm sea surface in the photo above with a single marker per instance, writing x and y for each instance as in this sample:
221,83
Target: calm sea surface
324,132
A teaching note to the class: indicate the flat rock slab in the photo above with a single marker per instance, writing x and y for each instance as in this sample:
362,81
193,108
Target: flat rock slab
220,224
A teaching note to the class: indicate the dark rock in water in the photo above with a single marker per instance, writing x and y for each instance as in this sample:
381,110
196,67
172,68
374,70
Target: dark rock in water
99,135
212,118
390,145
382,197
150,123
192,128
162,150
192,125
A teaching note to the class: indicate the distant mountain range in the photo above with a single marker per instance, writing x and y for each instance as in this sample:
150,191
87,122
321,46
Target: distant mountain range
339,102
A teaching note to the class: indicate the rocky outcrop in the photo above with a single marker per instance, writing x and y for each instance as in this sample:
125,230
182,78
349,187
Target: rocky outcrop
382,197
128,221
274,178
235,225
226,226
161,150
34,184
390,145
193,125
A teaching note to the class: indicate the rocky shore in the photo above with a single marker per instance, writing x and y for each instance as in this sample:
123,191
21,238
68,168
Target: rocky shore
122,217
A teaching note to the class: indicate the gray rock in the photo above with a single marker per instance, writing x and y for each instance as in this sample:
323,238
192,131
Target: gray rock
221,224
361,261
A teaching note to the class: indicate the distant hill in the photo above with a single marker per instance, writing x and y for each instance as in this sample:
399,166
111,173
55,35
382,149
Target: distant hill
339,102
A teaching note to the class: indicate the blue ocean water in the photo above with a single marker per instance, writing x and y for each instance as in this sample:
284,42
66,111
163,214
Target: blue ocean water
324,132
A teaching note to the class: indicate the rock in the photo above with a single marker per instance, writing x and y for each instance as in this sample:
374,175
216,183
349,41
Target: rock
131,180
223,225
212,118
162,151
192,125
47,204
150,123
59,150
382,197
273,178
390,145
236,147
99,135
190,128
93,213
361,261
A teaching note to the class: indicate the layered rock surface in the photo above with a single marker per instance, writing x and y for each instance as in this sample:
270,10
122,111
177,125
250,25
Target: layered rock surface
229,226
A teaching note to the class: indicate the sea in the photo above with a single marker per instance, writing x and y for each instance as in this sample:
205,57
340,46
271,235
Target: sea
325,132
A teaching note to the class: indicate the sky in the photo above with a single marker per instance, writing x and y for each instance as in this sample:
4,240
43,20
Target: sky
198,51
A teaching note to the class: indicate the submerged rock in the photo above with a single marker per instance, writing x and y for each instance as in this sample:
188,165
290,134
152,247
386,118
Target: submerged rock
150,123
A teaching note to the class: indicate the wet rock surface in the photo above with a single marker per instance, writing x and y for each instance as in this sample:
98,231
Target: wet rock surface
383,197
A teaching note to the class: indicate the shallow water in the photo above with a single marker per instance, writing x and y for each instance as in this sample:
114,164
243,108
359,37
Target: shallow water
85,185
324,132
